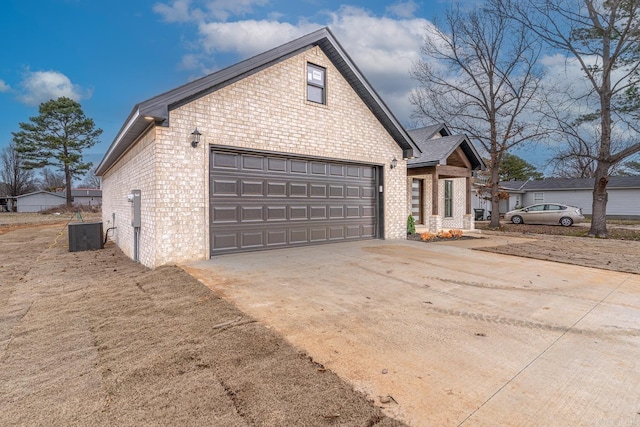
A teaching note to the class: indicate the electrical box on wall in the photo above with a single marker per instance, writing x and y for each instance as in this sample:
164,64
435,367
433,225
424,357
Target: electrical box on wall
134,199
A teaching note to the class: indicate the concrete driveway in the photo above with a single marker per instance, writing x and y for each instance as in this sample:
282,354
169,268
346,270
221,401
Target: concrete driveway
441,335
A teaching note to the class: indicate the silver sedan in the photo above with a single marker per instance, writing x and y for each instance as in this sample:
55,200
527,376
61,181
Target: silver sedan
546,213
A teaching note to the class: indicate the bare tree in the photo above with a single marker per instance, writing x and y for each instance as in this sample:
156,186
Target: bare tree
17,180
51,180
577,156
479,75
91,180
603,38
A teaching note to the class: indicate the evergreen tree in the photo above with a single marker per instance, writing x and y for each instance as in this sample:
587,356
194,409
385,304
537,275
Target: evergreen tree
57,138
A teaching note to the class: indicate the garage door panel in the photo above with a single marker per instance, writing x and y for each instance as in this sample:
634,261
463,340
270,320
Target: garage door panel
253,239
298,213
368,192
260,201
336,191
251,188
368,231
276,237
250,162
298,189
299,166
276,164
336,170
336,212
224,214
352,191
251,213
226,161
318,212
298,235
318,190
352,231
224,186
318,168
276,213
275,189
225,241
353,171
319,234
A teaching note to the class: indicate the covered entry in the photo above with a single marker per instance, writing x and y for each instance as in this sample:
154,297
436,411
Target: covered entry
262,200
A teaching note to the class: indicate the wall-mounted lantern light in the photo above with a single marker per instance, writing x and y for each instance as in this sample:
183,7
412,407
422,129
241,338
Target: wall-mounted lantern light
196,138
394,163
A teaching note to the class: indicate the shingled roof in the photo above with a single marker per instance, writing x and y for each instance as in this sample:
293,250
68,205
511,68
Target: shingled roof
435,151
558,184
157,108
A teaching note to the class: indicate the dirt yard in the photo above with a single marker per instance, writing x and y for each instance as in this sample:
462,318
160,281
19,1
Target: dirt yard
620,252
91,338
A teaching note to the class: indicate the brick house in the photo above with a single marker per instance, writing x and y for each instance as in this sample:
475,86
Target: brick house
291,147
439,179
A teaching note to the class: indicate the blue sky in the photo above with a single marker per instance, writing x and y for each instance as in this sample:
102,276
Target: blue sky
110,55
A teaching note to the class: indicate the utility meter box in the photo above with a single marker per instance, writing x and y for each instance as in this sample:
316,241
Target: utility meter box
134,199
85,236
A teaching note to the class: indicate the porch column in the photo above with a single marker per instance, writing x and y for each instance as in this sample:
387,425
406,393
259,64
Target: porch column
434,192
468,197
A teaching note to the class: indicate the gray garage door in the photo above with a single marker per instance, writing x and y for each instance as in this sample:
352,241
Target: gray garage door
263,201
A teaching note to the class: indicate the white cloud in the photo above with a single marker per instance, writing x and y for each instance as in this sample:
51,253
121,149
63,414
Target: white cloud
404,9
248,38
41,86
384,48
221,10
178,11
4,87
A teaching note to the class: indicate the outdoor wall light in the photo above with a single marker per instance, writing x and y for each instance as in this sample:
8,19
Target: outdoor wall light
196,138
394,163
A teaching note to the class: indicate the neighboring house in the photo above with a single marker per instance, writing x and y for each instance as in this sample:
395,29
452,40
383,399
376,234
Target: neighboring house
291,147
42,200
91,197
439,179
623,191
39,201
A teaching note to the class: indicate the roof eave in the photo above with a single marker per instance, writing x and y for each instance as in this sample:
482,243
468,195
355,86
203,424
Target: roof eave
156,109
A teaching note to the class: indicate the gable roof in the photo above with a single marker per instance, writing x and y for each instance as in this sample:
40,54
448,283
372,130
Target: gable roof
156,110
428,132
557,184
435,151
62,196
86,192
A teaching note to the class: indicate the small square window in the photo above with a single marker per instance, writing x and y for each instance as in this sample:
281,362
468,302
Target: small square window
316,84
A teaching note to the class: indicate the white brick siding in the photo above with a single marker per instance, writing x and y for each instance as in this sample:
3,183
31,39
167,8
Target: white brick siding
266,111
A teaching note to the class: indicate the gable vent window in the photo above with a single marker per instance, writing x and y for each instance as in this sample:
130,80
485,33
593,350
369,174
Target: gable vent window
316,84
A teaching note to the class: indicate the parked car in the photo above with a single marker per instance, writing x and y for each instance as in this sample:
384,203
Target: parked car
546,213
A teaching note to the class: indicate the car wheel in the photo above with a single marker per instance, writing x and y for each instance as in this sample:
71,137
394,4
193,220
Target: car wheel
566,221
516,219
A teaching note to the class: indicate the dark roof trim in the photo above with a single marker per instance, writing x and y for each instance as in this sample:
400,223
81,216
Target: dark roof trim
156,110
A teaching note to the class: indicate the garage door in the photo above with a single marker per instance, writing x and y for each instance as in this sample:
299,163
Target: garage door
263,201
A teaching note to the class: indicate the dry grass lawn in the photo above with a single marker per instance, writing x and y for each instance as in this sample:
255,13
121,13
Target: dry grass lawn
92,338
